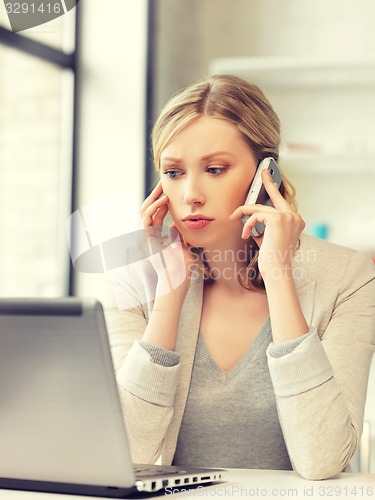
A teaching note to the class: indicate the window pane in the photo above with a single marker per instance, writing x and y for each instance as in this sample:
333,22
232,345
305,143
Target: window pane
34,175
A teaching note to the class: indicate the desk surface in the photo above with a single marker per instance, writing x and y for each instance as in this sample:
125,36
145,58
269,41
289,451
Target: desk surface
241,483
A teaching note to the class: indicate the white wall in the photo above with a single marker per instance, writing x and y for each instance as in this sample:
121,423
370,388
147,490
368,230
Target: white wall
112,109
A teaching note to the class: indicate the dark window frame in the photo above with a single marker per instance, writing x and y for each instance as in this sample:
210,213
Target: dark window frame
64,61
150,79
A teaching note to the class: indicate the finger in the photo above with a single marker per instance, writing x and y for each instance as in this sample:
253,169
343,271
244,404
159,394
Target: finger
250,209
251,223
160,215
153,196
277,199
148,213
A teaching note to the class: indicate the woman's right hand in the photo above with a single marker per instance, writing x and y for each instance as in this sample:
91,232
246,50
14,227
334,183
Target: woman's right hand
172,262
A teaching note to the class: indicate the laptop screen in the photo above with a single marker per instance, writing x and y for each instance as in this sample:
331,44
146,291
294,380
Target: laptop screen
60,417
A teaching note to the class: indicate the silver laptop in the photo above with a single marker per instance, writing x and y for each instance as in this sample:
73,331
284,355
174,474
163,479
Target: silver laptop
61,425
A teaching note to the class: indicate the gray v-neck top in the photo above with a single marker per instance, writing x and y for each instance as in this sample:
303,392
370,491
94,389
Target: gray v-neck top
230,418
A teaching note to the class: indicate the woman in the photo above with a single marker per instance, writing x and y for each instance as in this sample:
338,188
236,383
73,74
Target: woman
258,357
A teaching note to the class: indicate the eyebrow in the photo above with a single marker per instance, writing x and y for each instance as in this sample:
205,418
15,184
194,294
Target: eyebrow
215,154
170,159
204,158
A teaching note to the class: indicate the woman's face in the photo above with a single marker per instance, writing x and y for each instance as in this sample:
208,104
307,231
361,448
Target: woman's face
206,171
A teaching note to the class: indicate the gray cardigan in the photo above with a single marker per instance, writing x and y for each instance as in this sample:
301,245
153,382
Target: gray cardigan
320,386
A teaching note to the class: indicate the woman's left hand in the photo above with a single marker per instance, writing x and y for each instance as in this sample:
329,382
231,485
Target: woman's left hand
283,227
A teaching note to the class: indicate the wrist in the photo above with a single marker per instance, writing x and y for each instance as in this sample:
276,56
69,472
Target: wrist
162,327
287,318
277,274
174,297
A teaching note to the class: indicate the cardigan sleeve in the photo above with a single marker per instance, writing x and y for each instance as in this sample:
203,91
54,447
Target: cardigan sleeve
159,355
321,384
146,388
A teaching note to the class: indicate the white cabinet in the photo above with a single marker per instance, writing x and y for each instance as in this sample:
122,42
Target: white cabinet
327,112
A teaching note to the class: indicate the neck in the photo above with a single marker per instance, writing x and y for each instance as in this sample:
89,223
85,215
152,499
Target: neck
227,263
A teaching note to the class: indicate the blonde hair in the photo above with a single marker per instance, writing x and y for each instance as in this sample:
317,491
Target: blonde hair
241,104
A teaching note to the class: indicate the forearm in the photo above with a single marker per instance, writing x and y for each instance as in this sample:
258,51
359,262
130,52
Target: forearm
162,327
147,393
320,389
318,427
318,430
287,319
146,426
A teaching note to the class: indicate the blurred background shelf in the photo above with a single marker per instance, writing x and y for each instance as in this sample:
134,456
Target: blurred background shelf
328,163
269,72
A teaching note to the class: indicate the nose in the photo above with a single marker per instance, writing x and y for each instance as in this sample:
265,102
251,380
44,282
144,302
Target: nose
193,194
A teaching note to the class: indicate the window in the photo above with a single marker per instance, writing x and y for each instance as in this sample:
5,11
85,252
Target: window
36,152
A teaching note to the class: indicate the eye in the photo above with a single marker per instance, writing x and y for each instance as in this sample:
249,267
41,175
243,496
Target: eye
173,174
216,170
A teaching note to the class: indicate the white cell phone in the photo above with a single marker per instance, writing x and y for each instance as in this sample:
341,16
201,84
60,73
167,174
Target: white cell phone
257,193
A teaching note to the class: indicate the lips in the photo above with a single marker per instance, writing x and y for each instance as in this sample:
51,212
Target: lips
196,221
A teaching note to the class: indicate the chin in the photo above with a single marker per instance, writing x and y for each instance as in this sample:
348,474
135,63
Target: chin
191,239
202,241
